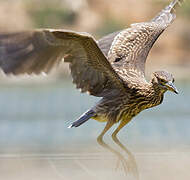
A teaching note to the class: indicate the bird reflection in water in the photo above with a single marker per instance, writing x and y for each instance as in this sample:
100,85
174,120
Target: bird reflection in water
127,161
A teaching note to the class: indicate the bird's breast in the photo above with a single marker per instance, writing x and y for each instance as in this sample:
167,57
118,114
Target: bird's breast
124,107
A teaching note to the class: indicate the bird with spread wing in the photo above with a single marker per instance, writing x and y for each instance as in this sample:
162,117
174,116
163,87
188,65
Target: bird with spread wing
112,68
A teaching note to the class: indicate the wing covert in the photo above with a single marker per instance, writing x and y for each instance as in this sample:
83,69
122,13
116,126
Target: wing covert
105,42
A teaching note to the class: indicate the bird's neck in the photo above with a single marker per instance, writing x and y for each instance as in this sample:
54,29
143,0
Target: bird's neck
157,93
157,89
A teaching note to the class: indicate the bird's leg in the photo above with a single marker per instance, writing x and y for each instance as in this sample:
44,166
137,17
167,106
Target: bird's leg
114,135
106,146
100,137
132,166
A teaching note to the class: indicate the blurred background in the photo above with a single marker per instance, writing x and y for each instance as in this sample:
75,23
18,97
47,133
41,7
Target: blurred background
35,112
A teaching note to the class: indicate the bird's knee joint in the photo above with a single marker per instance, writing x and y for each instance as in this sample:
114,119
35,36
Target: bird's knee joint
114,135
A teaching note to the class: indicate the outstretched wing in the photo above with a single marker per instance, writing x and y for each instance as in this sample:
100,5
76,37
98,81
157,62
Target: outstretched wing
106,41
39,51
131,46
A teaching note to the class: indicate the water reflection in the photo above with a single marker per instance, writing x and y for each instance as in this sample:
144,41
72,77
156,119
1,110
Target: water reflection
128,164
131,165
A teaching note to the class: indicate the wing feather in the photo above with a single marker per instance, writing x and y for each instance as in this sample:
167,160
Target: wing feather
132,45
40,50
105,42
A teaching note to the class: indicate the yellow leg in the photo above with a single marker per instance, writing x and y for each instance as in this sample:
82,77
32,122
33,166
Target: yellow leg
100,137
106,146
132,166
114,135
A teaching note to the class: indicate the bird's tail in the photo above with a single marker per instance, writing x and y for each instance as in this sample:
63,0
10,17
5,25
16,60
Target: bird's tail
82,119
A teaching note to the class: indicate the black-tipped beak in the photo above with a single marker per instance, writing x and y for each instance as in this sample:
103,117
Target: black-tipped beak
172,88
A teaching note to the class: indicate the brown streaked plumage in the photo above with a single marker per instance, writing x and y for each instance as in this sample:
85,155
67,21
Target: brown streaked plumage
112,68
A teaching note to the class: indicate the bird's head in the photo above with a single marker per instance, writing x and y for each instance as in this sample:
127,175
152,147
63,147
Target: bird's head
164,80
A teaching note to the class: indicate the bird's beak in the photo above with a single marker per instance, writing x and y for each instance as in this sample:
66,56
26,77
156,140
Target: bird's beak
171,87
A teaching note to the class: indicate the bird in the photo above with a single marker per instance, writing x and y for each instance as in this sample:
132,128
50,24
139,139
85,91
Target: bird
127,51
112,68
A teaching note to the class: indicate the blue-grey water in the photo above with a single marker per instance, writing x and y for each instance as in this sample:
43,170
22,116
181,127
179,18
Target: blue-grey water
34,118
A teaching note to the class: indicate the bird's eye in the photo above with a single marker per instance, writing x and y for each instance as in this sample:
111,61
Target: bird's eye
118,59
162,81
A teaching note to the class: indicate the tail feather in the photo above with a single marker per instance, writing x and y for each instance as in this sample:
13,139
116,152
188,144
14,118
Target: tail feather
82,119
